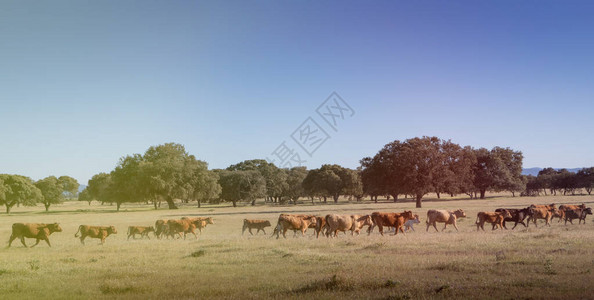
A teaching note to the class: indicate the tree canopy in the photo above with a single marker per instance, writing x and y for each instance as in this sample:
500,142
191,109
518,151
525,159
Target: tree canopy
17,189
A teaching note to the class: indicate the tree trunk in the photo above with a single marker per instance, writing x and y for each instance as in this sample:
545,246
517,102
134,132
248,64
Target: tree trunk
254,202
234,203
199,202
7,209
118,204
589,190
335,197
513,194
155,204
395,196
374,198
419,197
170,203
438,196
387,197
483,193
324,199
47,205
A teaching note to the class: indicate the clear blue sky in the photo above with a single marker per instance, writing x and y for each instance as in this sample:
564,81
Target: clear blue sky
83,83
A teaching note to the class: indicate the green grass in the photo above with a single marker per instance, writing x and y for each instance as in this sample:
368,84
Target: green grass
543,262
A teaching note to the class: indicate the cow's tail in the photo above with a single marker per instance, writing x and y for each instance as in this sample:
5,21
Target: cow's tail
76,234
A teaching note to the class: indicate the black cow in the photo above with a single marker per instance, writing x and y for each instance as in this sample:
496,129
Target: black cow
517,216
580,214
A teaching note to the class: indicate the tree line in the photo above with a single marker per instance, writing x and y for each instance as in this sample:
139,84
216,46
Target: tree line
413,167
21,190
560,181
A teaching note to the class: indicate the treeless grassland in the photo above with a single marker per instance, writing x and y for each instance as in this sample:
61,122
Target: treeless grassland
542,262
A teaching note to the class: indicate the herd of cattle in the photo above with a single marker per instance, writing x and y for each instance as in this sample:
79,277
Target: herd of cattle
328,225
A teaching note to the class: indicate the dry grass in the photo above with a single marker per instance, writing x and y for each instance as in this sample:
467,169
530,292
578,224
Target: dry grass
543,262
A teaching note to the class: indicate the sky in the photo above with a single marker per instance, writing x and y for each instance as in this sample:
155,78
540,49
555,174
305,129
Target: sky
83,83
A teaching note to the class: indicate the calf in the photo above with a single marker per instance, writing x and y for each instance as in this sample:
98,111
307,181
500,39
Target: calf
359,222
184,226
142,230
408,225
38,231
495,218
255,224
565,207
517,216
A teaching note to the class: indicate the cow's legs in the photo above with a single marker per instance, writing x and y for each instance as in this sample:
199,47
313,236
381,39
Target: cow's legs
36,243
23,241
12,238
435,226
455,226
444,226
250,231
82,239
381,229
264,231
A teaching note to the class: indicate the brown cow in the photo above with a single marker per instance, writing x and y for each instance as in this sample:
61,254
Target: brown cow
142,230
491,217
39,231
320,226
360,221
395,220
200,222
255,224
293,222
96,232
545,212
443,216
184,226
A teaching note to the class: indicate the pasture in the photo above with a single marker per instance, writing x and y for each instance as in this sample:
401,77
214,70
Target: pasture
542,262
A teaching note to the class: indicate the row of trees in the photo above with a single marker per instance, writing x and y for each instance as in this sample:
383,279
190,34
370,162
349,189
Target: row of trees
560,181
21,190
419,166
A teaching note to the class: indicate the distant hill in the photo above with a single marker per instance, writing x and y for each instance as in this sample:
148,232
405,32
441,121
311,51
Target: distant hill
534,171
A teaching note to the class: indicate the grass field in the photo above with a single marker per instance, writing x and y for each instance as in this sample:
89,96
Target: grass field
543,262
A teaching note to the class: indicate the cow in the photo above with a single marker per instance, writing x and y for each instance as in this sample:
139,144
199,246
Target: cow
38,231
409,225
491,217
142,230
354,223
545,212
517,216
96,232
571,214
160,228
293,222
200,222
565,207
443,216
320,226
359,222
255,224
395,220
184,226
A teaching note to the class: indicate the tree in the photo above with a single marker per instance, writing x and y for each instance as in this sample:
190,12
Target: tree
127,183
52,191
586,179
294,188
69,186
18,189
84,196
497,170
98,188
241,185
276,178
204,184
372,177
332,181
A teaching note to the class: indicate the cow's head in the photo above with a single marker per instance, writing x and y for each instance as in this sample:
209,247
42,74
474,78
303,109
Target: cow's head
209,220
267,223
151,228
587,211
112,230
407,214
366,220
505,213
460,213
552,207
55,227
